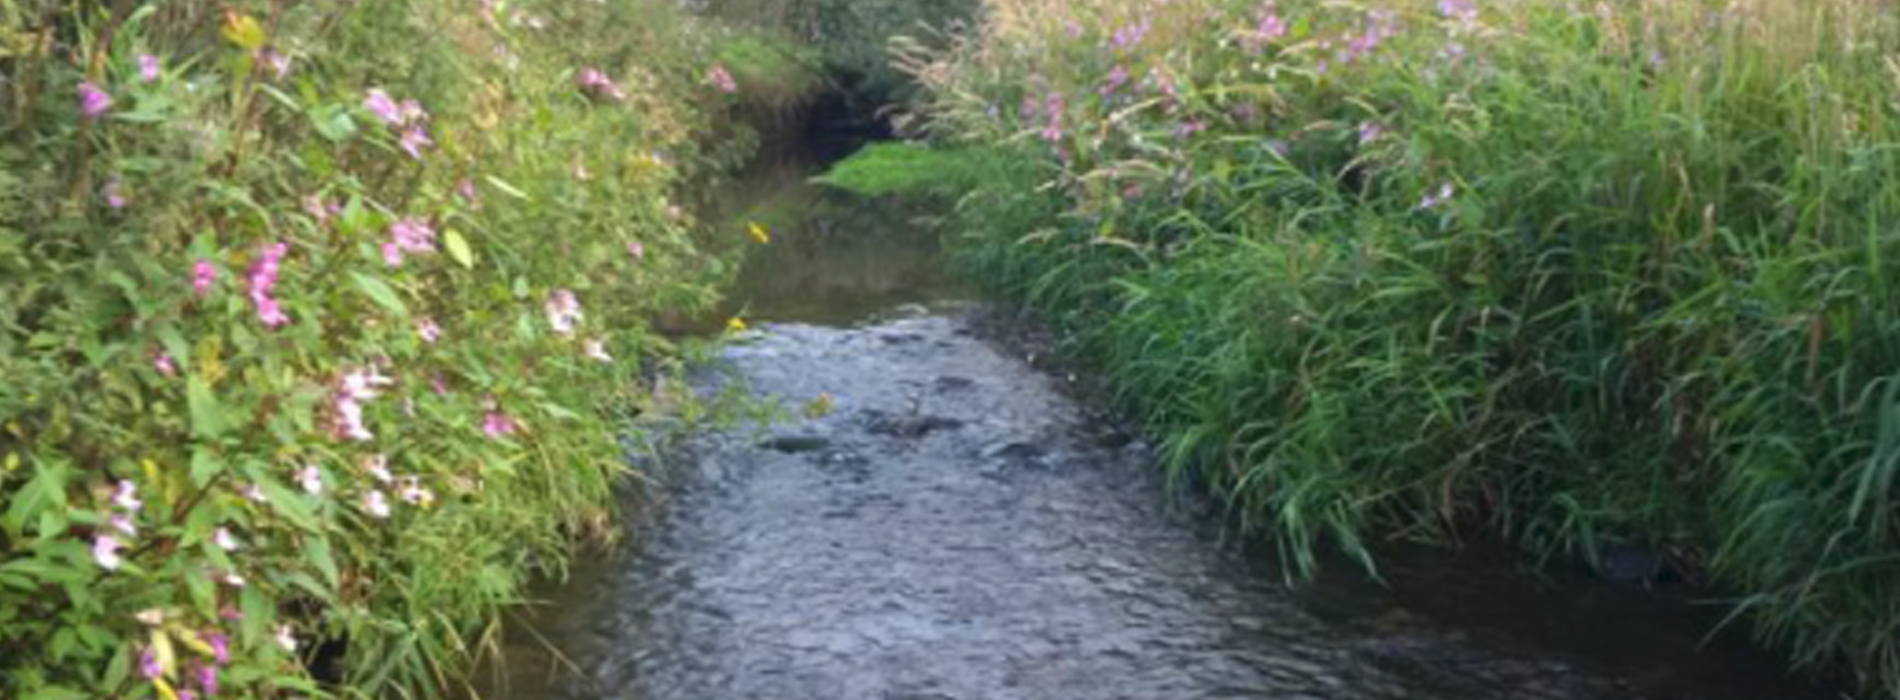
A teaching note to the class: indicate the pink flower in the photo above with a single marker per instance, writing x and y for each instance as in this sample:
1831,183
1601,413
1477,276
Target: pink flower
203,276
413,235
223,538
255,494
317,208
277,62
220,646
311,479
354,389
126,496
428,330
208,679
466,189
1440,197
378,468
722,79
149,666
596,82
164,364
115,198
414,493
392,255
563,311
376,504
414,140
597,349
1369,132
413,113
105,550
638,250
93,101
123,523
263,279
378,103
148,68
497,424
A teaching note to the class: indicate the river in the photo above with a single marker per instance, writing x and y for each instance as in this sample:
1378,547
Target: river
960,525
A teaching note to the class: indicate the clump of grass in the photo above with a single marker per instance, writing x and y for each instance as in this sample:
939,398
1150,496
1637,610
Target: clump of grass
1421,270
915,169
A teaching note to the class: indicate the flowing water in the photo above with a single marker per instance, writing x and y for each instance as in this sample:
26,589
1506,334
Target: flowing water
959,526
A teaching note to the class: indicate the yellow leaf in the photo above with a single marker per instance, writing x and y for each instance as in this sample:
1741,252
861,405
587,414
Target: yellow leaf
165,691
759,233
458,248
735,325
244,31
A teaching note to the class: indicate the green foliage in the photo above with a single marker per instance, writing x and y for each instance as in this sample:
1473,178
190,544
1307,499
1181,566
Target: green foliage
1411,272
915,169
294,373
852,37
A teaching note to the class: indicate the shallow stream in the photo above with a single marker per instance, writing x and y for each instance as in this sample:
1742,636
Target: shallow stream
959,526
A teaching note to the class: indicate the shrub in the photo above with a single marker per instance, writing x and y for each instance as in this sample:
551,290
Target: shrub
1570,273
318,322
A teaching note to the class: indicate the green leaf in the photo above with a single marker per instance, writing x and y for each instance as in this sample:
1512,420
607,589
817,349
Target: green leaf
207,417
289,504
204,467
46,490
317,551
333,123
458,248
381,293
57,692
507,188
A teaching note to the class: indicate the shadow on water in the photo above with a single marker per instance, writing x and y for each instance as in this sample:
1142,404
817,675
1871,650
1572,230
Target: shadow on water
1007,550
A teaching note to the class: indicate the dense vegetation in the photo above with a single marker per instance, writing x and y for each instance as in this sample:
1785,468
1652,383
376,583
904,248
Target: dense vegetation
1577,273
320,323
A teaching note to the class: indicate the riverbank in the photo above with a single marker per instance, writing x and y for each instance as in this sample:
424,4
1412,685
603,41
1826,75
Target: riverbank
1606,281
322,324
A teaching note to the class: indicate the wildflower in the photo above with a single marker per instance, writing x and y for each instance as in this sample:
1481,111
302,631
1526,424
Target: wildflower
1189,128
235,580
428,330
376,504
149,666
186,694
1116,79
203,276
105,550
563,311
597,349
497,424
759,233
230,614
1052,131
414,140
263,279
316,208
1434,199
596,82
255,494
123,523
163,362
412,112
114,197
722,79
278,63
148,68
1272,27
392,255
386,109
223,538
466,189
286,639
736,325
208,679
355,388
1369,132
408,235
220,645
93,101
638,250
127,496
414,494
378,468
311,479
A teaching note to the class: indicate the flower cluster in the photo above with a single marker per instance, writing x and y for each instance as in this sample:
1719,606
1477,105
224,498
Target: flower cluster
407,117
596,83
263,280
408,235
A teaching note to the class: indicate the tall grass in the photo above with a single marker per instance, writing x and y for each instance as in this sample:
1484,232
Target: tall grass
1575,273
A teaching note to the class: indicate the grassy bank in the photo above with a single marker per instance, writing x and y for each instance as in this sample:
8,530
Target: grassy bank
1575,273
319,323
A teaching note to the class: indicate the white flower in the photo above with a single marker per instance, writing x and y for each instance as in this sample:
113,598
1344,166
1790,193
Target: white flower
286,639
311,478
223,539
376,504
